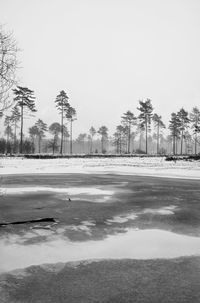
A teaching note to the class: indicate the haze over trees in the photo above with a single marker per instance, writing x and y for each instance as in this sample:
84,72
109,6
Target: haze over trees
139,130
134,134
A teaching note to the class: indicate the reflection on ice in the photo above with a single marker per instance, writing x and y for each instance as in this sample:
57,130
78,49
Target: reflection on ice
167,210
67,190
134,244
122,218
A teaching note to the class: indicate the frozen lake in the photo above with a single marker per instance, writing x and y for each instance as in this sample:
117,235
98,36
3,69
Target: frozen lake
97,216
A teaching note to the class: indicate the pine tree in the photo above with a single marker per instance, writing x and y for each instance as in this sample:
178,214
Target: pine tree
81,140
66,135
103,131
174,126
145,117
195,119
62,105
54,129
159,125
42,128
25,100
184,121
120,132
71,117
33,132
128,120
92,132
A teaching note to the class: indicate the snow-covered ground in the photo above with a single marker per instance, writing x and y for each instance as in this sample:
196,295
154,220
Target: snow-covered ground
137,166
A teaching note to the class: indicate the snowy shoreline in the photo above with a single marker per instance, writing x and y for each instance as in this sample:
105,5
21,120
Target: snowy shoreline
153,167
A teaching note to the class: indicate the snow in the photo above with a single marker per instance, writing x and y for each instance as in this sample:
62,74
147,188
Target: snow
149,166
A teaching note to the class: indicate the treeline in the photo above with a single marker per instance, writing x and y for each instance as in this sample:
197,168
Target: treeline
141,133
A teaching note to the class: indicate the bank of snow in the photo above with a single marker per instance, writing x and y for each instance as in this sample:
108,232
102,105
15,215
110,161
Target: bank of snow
150,166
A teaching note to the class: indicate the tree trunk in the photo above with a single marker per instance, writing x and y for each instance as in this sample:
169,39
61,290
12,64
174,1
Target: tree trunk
53,147
140,143
71,137
91,147
39,143
174,144
61,144
133,144
158,134
21,133
129,138
146,136
181,142
195,144
102,144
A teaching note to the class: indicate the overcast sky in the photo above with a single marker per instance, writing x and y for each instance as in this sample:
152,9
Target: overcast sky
107,54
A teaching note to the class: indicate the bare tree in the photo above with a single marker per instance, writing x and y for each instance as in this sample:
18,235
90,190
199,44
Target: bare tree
8,66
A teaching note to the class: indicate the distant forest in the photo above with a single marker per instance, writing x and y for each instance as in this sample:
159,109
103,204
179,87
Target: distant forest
138,133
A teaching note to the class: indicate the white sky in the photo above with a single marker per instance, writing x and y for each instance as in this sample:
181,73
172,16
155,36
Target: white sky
107,54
